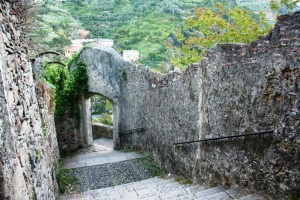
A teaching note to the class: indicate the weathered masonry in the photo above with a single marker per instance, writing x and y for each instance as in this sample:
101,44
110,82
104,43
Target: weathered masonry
236,89
28,144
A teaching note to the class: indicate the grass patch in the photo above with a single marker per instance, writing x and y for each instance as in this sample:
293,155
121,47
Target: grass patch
292,197
151,164
127,150
65,180
183,181
74,152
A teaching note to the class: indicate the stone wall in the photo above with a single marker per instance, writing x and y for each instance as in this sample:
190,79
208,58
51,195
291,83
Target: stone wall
68,132
102,131
28,146
104,69
236,89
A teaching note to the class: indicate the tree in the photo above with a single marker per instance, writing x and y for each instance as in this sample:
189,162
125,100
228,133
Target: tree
218,26
283,6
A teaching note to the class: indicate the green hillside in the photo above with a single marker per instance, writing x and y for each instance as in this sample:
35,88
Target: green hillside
259,5
53,27
137,24
132,24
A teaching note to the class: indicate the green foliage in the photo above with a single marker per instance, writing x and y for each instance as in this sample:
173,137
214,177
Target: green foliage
98,105
149,162
136,24
52,27
67,86
101,104
75,57
44,128
183,181
292,197
103,107
107,119
64,180
283,6
209,27
37,155
109,106
133,24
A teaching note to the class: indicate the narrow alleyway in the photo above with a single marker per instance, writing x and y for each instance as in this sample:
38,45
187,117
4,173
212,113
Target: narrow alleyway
104,173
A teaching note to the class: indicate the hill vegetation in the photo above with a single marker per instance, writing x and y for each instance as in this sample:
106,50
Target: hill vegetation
146,26
53,27
133,24
208,28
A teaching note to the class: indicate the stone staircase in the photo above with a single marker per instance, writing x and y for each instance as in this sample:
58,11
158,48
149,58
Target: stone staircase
163,189
112,175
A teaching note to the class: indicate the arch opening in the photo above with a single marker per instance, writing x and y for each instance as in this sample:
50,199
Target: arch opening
102,66
100,119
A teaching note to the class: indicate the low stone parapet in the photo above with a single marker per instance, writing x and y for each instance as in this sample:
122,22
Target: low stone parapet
102,131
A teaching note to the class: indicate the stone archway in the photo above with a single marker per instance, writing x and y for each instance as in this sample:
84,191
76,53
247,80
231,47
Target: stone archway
103,66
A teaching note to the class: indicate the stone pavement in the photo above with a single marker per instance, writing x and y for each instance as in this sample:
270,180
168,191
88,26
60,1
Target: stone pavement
162,189
112,174
105,174
101,152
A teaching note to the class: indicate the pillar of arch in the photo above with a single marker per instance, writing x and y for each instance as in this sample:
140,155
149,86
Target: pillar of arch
103,67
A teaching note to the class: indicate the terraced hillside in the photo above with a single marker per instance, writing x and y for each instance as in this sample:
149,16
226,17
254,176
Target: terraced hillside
53,27
259,6
133,24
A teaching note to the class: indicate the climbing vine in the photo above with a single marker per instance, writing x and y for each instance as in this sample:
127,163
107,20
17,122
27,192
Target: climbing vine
67,85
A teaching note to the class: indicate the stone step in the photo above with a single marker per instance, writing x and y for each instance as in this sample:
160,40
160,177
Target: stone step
193,189
92,159
218,196
205,193
237,193
252,197
163,189
116,175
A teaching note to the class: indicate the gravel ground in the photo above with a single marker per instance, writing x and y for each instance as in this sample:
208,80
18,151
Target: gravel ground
112,174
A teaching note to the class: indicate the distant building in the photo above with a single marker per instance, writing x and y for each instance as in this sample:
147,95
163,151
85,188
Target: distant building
131,55
83,41
77,44
60,1
99,41
70,50
83,33
105,42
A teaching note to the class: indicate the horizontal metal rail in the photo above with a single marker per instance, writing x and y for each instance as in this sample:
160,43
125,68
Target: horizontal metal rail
57,62
133,130
227,137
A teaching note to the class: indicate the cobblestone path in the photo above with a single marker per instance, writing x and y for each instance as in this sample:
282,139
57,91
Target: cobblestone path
105,174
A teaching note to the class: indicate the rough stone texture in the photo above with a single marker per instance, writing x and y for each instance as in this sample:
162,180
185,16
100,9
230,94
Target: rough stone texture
169,108
108,168
237,89
103,65
28,145
68,133
102,131
101,152
255,88
104,69
108,175
160,189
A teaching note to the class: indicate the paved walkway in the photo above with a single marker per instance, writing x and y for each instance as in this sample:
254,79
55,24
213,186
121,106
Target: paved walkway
105,174
101,152
163,189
